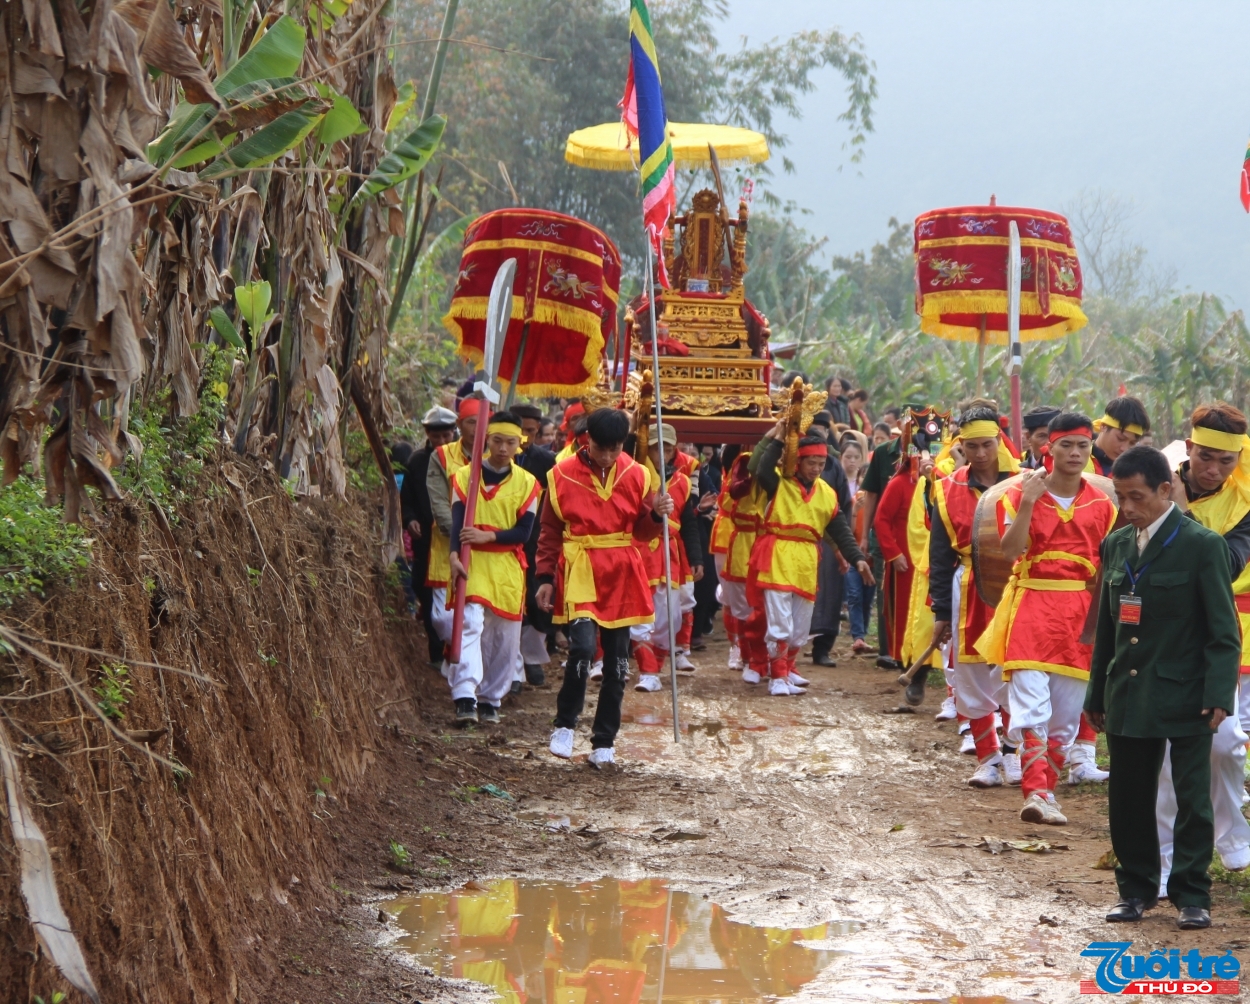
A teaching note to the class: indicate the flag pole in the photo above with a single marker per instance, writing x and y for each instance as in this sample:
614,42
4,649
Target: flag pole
1015,350
498,313
659,421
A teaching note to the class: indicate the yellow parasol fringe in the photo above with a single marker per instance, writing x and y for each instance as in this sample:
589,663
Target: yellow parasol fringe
584,322
606,147
992,302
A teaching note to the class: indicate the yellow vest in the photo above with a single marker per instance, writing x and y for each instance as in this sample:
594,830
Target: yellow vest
1221,512
794,523
439,572
919,613
497,571
566,451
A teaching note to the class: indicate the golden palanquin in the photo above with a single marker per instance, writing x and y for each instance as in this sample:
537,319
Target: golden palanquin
714,363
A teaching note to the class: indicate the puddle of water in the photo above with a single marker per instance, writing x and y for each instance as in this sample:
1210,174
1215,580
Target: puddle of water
607,942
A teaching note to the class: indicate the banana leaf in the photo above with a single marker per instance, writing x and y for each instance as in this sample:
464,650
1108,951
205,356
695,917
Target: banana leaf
404,161
274,59
266,144
341,121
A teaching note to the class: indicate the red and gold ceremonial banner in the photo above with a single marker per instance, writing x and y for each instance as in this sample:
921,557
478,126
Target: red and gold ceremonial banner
961,274
567,281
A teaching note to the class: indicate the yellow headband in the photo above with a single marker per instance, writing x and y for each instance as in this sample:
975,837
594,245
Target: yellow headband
1135,430
504,429
984,429
1215,440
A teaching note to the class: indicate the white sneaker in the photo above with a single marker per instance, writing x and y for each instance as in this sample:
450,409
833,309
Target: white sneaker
947,712
602,756
596,670
1038,809
735,657
988,775
648,682
684,665
1080,772
967,744
1011,768
562,743
750,676
797,680
779,686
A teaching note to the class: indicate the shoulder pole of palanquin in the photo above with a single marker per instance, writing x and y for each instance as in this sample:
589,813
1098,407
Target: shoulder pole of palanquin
498,313
663,470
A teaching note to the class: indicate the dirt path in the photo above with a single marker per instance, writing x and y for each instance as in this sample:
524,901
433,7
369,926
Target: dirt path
787,813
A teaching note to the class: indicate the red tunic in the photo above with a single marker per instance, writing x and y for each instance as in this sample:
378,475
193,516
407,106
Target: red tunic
652,549
1039,620
956,505
890,524
587,542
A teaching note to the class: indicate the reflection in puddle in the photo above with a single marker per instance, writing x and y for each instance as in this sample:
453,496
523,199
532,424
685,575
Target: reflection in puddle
605,942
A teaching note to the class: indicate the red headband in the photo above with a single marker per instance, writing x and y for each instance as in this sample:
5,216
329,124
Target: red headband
813,450
469,407
573,411
1080,430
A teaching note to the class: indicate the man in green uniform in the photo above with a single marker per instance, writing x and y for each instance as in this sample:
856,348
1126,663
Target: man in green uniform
1166,657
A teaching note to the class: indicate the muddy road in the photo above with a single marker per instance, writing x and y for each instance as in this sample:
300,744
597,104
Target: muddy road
817,847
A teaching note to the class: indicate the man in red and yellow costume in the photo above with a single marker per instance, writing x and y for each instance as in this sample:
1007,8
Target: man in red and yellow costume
747,516
650,640
598,503
718,548
959,613
444,463
921,429
573,428
507,505
1125,421
802,509
1052,526
1213,487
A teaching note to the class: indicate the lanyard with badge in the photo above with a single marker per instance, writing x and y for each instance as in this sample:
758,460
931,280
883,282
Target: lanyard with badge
1130,605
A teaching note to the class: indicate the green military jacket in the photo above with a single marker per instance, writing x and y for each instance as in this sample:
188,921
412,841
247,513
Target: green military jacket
1152,679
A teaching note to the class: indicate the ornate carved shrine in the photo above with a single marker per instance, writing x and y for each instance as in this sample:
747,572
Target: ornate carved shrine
714,363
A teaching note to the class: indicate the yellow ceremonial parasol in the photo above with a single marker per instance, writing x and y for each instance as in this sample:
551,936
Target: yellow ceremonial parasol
607,147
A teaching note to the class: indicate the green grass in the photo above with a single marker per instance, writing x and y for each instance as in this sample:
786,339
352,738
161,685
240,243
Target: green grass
36,547
174,453
114,690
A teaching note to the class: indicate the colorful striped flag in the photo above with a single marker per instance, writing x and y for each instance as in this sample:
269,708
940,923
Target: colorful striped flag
1245,180
642,111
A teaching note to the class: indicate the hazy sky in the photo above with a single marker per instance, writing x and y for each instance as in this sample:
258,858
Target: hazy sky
1033,102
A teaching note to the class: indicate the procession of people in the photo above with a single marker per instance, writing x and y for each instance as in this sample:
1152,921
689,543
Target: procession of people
1124,609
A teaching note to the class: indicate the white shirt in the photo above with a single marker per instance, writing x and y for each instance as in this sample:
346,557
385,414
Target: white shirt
1063,503
1144,536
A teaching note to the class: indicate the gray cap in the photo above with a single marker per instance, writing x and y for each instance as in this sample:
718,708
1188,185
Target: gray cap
439,418
668,435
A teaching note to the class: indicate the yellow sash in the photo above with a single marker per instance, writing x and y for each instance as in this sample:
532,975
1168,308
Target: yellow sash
993,642
579,575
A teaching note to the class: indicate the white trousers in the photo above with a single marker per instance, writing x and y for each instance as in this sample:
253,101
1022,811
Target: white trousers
440,615
735,594
1228,790
533,651
687,597
534,646
789,621
1047,704
979,687
488,647
656,632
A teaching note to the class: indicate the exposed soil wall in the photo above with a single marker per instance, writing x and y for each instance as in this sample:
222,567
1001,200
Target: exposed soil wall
177,884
